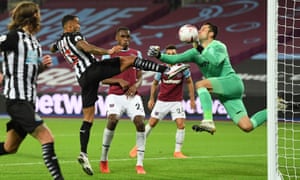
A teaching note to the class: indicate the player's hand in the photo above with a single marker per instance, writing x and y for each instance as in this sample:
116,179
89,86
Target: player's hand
193,105
151,103
154,51
1,78
47,61
131,91
124,84
115,49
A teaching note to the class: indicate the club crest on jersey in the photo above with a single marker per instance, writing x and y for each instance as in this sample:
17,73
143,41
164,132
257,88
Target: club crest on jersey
77,38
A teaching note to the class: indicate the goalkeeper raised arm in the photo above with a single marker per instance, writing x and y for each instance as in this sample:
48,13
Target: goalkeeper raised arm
212,58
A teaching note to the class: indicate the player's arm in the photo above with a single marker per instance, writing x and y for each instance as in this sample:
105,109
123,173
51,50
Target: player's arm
190,86
45,63
133,89
117,81
90,48
187,56
1,78
7,43
1,74
153,90
139,79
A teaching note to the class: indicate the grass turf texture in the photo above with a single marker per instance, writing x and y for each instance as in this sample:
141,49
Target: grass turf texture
229,154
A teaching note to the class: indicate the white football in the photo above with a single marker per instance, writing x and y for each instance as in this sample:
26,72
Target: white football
188,33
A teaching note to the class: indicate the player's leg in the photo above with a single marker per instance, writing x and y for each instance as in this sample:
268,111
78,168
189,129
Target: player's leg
135,111
148,65
89,97
148,128
140,142
11,143
152,122
14,137
237,111
179,138
203,89
178,115
248,124
114,105
43,134
84,136
108,134
25,120
85,129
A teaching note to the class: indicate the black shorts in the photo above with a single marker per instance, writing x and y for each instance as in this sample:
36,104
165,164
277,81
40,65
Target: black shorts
23,116
90,79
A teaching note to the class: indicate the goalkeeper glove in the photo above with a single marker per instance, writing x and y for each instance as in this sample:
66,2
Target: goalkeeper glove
154,51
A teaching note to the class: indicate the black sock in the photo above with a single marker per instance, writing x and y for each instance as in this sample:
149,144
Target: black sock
148,65
51,161
2,150
85,135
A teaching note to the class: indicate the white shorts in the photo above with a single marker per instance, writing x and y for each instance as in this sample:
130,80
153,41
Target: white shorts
119,104
162,108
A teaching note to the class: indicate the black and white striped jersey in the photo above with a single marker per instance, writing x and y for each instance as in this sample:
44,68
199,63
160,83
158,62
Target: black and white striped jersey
79,59
21,57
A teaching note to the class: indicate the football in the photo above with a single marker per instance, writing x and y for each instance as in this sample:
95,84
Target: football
188,33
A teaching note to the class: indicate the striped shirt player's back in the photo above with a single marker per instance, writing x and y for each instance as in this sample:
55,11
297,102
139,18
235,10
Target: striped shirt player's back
129,75
80,60
22,53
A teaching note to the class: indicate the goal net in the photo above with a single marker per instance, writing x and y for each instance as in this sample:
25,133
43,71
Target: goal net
283,89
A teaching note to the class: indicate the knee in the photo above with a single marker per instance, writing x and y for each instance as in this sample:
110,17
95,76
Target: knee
11,149
246,127
152,122
180,124
112,122
199,84
139,123
203,84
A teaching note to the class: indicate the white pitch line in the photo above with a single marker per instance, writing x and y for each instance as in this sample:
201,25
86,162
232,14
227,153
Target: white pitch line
146,159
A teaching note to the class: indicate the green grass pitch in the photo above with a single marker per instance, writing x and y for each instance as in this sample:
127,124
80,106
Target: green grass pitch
229,154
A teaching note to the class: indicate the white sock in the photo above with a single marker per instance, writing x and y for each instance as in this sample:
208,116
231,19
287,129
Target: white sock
148,129
106,141
140,143
180,133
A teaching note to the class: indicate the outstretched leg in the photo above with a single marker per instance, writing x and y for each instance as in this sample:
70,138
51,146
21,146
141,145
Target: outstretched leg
148,65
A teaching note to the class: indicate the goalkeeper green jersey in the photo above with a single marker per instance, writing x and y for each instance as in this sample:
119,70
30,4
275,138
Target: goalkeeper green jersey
213,61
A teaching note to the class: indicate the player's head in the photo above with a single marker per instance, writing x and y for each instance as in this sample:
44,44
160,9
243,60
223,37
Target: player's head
70,23
26,15
208,31
171,49
123,36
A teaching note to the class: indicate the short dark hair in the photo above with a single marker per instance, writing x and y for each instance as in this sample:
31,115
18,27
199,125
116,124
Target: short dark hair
122,28
67,18
171,46
213,28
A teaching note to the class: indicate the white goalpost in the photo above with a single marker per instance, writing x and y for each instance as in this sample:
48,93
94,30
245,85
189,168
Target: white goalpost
273,173
283,89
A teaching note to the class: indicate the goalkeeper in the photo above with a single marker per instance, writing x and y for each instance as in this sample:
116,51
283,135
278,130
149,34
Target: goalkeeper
212,58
